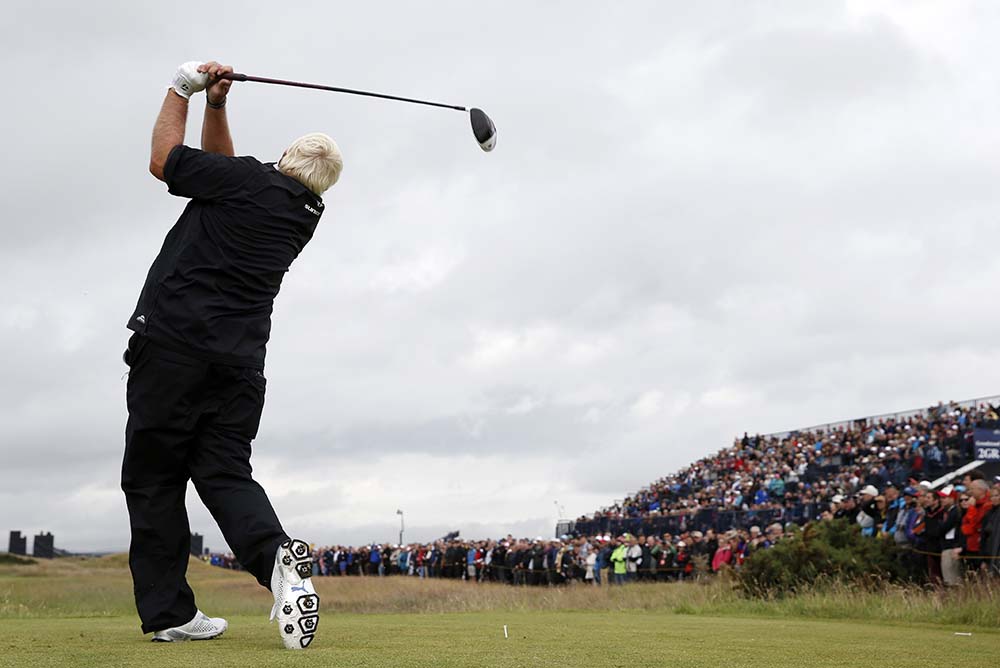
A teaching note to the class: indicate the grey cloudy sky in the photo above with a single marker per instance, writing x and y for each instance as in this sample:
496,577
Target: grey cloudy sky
701,218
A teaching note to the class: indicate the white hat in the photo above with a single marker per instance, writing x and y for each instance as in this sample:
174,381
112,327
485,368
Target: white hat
838,498
869,490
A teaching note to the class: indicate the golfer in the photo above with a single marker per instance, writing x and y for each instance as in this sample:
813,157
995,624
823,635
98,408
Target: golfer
196,357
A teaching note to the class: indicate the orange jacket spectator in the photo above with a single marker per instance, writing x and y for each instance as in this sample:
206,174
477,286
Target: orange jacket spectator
972,521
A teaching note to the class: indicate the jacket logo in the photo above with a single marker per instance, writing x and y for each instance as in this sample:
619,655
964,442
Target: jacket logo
311,210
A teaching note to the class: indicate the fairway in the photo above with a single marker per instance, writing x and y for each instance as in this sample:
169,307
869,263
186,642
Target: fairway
476,640
67,613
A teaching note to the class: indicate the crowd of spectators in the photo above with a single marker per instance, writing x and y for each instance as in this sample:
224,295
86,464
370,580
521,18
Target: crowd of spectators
709,516
794,476
946,532
596,559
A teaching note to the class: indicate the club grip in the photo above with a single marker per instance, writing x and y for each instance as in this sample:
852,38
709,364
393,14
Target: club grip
234,76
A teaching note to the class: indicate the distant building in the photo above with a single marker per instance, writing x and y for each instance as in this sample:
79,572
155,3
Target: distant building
43,547
18,543
197,543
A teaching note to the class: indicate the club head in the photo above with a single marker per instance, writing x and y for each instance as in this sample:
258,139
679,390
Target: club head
483,129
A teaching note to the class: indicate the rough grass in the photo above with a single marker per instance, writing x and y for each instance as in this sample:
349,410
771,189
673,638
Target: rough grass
101,588
80,612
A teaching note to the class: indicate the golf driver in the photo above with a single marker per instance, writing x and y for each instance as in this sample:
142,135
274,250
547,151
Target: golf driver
482,126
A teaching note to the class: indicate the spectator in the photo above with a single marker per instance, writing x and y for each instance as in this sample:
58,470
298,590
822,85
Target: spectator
893,505
724,555
634,557
975,504
647,565
618,558
667,560
928,535
990,538
593,569
951,549
683,560
906,518
470,564
868,517
604,557
698,557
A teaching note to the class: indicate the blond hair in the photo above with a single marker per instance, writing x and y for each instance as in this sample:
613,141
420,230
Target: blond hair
314,160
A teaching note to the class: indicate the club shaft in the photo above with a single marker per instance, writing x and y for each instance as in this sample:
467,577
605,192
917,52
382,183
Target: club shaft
236,76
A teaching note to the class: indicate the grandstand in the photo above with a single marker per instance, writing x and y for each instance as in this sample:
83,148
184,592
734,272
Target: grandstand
793,476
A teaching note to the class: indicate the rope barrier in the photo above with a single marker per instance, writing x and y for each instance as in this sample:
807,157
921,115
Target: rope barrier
961,556
463,568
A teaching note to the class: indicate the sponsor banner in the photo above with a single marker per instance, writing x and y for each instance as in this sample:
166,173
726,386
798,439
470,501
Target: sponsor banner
988,444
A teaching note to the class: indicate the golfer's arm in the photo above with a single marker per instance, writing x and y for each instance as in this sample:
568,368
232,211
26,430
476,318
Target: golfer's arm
215,137
168,131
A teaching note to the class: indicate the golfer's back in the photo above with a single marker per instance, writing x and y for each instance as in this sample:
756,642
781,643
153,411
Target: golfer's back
211,289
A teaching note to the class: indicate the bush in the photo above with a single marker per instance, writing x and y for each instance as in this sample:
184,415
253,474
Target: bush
14,560
822,551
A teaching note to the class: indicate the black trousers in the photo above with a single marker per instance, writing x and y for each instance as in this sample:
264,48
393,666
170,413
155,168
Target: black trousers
190,420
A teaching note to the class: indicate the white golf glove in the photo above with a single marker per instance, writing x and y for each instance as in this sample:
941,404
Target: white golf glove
188,80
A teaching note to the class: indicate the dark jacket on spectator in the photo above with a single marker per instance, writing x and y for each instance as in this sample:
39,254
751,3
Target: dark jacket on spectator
930,538
870,509
951,532
990,540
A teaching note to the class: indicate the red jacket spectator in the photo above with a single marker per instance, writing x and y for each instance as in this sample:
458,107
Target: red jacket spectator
972,521
723,557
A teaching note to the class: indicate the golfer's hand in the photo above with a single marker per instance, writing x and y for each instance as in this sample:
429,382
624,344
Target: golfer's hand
189,80
217,88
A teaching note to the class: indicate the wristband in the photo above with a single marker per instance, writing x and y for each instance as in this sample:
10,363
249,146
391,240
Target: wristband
215,106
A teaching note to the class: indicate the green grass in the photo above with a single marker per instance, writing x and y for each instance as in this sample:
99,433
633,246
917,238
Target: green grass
476,639
80,613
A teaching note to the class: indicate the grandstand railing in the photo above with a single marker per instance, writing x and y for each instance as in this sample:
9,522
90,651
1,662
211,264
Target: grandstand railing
870,419
702,520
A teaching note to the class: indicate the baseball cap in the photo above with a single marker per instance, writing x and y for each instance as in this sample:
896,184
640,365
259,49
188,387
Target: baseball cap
947,490
838,498
870,490
910,491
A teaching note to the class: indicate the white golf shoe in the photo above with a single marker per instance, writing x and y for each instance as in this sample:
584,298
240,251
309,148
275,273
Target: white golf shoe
296,605
202,627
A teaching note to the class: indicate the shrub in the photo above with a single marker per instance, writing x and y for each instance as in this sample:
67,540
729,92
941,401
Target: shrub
14,560
822,551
